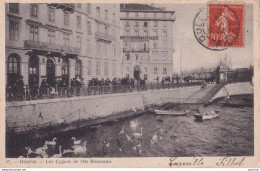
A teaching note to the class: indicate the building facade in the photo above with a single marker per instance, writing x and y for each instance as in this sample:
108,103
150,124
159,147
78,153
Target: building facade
146,41
61,41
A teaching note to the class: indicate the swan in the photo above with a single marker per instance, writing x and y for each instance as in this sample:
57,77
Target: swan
31,154
58,155
106,143
135,147
122,131
120,149
154,138
76,142
134,124
80,149
137,134
51,143
42,150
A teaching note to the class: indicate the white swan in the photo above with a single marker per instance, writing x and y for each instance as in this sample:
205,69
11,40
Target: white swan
137,134
154,138
122,131
134,124
42,151
76,142
51,143
58,155
80,149
31,154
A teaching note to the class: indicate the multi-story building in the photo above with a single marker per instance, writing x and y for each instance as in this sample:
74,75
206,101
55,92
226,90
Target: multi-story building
61,40
146,41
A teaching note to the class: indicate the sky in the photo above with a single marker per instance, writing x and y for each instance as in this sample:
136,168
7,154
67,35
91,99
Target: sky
193,54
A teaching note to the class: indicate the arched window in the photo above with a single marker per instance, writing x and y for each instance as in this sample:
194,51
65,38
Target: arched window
13,64
65,67
78,69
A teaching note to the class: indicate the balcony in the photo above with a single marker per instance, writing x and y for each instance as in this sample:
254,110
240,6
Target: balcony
104,37
64,6
44,46
134,38
134,50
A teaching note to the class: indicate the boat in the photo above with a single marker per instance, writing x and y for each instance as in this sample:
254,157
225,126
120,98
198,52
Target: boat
171,112
208,115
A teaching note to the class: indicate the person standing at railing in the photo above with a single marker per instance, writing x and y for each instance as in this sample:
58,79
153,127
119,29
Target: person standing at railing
101,86
20,88
33,86
44,87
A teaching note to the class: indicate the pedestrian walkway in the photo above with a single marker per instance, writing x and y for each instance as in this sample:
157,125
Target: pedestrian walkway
200,94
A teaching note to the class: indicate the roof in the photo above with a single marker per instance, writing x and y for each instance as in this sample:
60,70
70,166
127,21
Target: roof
141,7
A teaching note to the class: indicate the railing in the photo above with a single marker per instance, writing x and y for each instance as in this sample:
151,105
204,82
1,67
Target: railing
146,50
31,44
104,36
24,93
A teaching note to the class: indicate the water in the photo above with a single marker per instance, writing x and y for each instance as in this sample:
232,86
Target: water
232,134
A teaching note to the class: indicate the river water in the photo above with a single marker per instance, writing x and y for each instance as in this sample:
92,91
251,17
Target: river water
150,135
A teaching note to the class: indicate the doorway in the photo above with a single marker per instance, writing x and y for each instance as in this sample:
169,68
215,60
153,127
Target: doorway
137,72
33,71
50,72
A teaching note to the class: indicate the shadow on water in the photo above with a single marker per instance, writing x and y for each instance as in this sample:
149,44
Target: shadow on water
150,135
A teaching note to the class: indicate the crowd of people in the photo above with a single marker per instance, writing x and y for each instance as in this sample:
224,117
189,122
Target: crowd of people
62,86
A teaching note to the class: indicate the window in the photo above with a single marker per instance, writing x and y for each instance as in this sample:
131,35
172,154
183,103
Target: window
136,15
65,67
114,17
51,14
98,68
164,44
155,70
79,22
127,69
127,14
89,67
145,15
66,18
13,30
89,45
114,50
155,15
164,34
136,24
66,39
145,77
155,24
155,33
136,33
165,24
14,8
89,8
98,48
145,24
155,45
164,71
106,14
34,33
164,56
146,33
127,24
106,68
89,26
114,69
155,56
78,41
127,33
136,57
78,68
78,5
127,57
34,10
13,64
98,27
51,36
98,12
106,30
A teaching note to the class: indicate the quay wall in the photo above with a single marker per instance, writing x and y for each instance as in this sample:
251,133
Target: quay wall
23,114
235,89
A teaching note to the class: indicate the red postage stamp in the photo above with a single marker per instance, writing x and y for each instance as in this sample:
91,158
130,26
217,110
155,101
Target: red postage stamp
226,25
